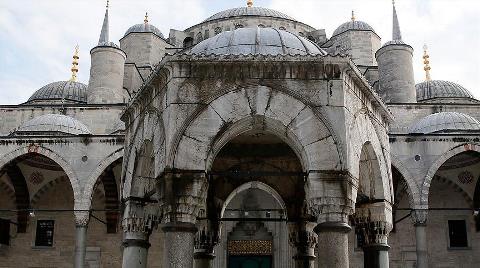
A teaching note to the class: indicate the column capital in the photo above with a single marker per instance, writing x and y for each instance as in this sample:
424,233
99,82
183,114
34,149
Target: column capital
182,195
139,220
82,218
374,233
419,217
330,195
204,244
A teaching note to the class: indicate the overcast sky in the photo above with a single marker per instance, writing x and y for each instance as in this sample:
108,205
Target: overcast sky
37,38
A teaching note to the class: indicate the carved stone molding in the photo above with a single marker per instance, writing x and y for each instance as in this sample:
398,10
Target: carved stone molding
419,217
140,218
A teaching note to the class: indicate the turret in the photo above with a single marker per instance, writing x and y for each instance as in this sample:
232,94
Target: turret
395,67
107,70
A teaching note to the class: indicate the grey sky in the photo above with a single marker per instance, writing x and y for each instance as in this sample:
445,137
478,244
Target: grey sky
37,38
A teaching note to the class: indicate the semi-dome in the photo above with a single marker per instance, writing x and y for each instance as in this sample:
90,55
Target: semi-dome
354,25
439,89
52,123
446,122
248,12
144,28
69,91
263,41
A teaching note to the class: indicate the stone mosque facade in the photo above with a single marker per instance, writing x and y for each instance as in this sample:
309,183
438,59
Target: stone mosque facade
249,140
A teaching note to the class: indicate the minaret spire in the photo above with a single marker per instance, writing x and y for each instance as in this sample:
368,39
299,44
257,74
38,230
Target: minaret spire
353,15
75,65
426,61
104,38
249,3
397,35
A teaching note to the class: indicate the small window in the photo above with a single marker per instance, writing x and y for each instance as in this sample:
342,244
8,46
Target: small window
238,26
44,234
282,28
4,232
218,30
457,233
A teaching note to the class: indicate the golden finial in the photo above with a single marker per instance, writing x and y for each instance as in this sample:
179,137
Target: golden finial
146,18
353,15
249,3
426,61
75,65
393,2
108,3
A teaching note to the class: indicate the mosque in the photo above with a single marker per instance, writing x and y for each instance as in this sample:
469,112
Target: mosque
248,140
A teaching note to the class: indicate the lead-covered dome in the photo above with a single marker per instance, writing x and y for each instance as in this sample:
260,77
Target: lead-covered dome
49,124
248,12
354,25
253,41
144,28
63,91
446,122
439,90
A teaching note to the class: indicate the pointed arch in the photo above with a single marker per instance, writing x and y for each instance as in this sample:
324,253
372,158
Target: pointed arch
439,162
59,160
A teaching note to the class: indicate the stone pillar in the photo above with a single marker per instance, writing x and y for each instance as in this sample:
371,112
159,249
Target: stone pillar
204,255
330,197
333,244
137,223
304,240
182,198
81,226
373,222
375,248
419,217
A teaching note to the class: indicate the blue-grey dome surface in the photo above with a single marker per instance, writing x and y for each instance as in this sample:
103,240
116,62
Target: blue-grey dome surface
53,123
108,44
144,28
441,89
62,90
253,41
353,25
248,11
446,122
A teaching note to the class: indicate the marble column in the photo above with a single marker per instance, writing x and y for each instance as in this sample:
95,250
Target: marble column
81,226
179,244
304,240
333,244
138,223
419,218
204,255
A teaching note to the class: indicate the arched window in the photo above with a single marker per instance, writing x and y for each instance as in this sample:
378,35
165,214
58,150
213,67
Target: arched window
218,30
282,28
188,42
237,26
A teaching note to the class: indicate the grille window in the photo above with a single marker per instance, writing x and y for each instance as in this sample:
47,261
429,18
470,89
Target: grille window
457,232
44,235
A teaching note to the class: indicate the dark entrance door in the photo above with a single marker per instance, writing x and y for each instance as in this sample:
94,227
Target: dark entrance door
250,262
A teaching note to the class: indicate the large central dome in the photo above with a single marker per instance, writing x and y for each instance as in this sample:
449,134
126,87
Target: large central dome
248,11
253,41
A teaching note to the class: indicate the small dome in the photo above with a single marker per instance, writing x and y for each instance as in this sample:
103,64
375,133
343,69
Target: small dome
56,123
61,91
439,89
144,28
445,122
108,44
263,41
248,12
353,25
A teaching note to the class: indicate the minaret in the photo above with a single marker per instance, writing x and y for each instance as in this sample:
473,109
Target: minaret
107,70
395,68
